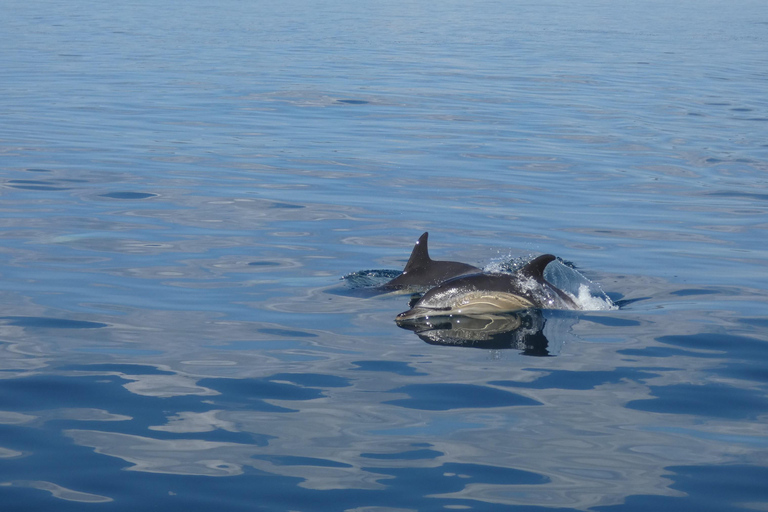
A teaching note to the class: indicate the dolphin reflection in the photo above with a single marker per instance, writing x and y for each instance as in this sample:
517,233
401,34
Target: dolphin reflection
521,330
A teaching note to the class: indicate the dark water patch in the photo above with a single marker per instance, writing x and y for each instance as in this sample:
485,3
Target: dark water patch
254,490
118,351
128,195
741,347
288,206
694,291
433,429
313,380
621,304
259,389
454,477
264,263
42,392
396,367
287,333
34,185
293,460
707,489
126,369
408,455
54,458
611,321
444,397
743,357
38,170
258,345
353,102
41,322
49,457
756,371
714,401
566,379
739,195
757,322
665,352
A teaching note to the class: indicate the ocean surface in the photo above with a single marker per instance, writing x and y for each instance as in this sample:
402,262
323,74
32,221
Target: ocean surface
184,186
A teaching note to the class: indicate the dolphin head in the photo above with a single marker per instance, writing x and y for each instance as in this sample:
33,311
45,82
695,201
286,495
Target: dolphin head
474,294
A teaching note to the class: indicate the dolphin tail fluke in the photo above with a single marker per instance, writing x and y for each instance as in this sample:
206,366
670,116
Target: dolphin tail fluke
419,255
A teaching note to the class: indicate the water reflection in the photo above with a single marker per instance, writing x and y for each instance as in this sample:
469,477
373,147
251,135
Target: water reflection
361,413
522,331
57,491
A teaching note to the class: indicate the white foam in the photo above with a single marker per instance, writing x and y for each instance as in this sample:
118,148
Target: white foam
587,295
589,302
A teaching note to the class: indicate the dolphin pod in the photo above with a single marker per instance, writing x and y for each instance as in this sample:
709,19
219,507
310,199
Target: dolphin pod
484,293
458,289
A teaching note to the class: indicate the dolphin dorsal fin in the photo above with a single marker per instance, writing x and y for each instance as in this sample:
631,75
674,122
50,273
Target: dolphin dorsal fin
535,267
419,255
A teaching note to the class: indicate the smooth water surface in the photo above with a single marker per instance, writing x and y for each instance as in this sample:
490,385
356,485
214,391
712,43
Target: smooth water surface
183,185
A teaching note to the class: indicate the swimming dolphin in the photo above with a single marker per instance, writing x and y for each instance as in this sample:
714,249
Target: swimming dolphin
423,272
483,293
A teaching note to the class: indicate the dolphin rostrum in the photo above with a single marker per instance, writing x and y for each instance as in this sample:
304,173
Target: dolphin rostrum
483,293
423,272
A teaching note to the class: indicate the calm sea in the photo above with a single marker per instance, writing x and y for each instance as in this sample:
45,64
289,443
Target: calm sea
184,184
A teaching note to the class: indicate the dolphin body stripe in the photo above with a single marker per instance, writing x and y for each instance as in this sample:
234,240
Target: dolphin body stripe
423,272
482,293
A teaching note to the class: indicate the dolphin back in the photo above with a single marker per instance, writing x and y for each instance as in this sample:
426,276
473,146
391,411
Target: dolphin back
419,255
535,268
421,271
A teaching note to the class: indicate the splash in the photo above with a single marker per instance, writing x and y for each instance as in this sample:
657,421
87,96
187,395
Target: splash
589,301
368,279
586,293
506,264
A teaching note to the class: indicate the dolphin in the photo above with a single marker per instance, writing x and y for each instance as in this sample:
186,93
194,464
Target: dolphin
483,293
422,272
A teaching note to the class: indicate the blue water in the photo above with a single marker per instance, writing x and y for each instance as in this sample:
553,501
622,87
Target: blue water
183,185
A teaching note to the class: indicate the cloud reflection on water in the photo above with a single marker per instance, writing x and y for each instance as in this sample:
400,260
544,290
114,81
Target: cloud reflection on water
344,422
210,372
